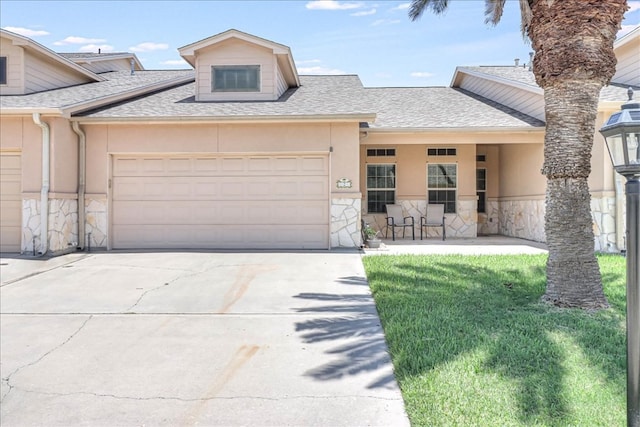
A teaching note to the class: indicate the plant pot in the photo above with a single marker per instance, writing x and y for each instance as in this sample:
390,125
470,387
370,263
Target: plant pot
373,243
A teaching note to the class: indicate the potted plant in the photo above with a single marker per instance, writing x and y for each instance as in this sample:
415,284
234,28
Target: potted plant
371,237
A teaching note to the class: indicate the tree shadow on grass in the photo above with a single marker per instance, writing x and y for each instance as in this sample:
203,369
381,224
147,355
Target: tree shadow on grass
351,321
436,311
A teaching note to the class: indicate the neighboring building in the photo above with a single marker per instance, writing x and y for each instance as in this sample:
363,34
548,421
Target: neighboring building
245,153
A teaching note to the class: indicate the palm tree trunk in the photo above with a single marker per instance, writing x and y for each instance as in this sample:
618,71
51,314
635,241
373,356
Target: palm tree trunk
574,59
573,274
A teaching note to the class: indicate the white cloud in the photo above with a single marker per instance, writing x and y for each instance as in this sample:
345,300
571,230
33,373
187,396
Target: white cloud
403,6
26,31
96,47
77,40
633,6
364,13
333,5
175,62
148,47
385,22
625,30
421,74
308,61
319,70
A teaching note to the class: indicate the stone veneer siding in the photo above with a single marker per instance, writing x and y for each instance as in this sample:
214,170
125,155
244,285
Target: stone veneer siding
96,221
603,211
63,226
345,223
461,224
522,218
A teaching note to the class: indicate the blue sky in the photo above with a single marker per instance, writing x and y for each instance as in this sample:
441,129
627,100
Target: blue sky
374,39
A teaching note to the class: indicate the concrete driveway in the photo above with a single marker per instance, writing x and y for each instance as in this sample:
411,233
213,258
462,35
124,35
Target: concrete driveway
192,338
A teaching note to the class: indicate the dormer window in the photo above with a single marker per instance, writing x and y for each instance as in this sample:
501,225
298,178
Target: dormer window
235,78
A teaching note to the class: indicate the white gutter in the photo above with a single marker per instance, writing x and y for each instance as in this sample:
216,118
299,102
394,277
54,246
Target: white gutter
82,167
44,192
86,120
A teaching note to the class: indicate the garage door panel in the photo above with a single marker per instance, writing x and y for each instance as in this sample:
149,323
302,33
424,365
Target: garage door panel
220,188
10,202
231,237
178,212
278,201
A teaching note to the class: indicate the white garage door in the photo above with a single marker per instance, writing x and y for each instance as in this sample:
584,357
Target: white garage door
279,201
10,202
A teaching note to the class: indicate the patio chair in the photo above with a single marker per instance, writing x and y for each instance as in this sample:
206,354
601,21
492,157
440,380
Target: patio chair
395,219
434,218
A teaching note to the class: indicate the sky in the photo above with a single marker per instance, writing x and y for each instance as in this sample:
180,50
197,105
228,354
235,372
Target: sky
373,39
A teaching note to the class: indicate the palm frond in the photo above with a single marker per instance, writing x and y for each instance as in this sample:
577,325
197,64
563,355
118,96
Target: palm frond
418,7
493,11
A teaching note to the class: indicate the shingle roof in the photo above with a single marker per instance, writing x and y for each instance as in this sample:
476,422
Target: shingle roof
441,107
317,96
612,92
118,82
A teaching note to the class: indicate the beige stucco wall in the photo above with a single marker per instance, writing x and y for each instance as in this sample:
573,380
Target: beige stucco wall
223,138
520,167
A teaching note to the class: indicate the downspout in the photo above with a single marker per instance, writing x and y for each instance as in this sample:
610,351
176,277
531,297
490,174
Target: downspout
82,167
44,192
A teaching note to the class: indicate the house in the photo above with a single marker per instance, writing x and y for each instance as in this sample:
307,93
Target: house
243,152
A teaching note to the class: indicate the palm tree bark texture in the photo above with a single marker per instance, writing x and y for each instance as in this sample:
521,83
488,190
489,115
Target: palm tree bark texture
574,59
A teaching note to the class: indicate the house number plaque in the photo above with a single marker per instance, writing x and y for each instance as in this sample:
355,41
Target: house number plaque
343,183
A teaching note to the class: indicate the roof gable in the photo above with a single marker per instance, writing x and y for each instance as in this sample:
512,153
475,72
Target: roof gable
38,49
282,53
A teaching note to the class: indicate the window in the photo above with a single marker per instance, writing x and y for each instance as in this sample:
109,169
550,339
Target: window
381,152
3,70
235,78
381,187
481,189
442,152
442,184
481,158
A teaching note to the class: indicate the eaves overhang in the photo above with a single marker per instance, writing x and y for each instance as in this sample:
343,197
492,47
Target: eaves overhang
514,83
325,118
488,129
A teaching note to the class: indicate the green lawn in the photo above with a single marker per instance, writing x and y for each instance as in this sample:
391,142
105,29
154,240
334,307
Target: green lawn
472,344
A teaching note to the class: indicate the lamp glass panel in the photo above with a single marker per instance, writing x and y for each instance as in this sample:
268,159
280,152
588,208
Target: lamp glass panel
633,147
616,150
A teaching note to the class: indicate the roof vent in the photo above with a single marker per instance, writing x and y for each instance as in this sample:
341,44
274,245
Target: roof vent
517,61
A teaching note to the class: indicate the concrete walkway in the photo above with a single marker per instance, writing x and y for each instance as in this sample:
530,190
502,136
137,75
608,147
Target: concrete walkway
193,338
489,245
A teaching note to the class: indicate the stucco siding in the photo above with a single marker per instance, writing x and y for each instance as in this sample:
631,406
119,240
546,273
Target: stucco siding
235,52
15,68
516,98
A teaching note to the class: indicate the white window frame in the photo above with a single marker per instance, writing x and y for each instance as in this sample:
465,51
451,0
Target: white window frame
247,68
387,189
454,189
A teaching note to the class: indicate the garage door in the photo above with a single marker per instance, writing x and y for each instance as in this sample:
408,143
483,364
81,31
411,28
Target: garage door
10,202
221,202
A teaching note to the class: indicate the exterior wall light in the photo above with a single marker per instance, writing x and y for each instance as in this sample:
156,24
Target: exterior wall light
622,135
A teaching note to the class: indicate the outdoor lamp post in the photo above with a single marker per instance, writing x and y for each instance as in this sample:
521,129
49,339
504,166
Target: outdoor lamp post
622,135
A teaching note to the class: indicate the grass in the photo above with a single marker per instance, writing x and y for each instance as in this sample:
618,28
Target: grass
472,345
